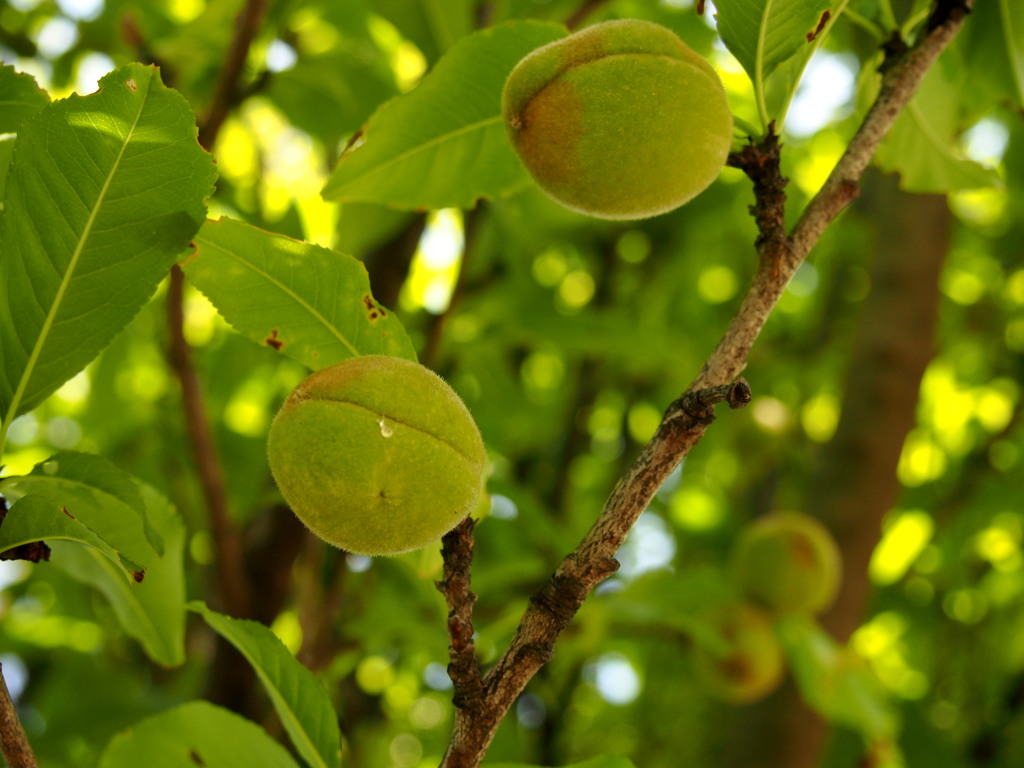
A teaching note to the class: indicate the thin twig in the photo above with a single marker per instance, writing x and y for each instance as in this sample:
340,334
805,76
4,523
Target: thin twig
234,587
228,92
13,742
553,607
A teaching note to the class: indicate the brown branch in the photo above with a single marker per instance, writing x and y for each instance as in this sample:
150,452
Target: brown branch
761,164
13,742
553,607
582,11
899,83
685,422
463,669
231,571
228,93
234,588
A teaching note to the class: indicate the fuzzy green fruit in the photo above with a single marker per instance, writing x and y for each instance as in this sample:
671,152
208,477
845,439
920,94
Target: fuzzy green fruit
747,664
788,562
377,455
619,121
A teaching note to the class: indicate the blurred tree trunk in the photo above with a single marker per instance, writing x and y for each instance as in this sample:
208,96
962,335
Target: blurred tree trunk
856,483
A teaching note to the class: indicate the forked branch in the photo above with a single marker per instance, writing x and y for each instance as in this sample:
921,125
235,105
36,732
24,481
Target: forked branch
686,420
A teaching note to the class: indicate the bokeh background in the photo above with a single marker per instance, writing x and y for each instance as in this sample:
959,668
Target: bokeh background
887,400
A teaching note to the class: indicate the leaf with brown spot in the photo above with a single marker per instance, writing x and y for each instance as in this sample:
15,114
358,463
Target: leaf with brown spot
273,341
34,518
825,16
762,34
317,299
84,500
103,193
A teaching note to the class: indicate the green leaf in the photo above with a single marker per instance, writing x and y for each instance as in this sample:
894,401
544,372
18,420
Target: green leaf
96,493
920,145
444,144
835,681
152,612
127,516
103,194
762,34
38,518
308,302
601,761
6,154
192,735
363,227
781,86
432,25
676,601
1012,14
20,98
993,43
300,699
332,94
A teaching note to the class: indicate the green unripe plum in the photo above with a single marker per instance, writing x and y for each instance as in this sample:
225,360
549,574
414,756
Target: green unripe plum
789,563
377,455
620,120
748,665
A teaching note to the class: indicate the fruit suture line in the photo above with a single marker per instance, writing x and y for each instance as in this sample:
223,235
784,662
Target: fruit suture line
382,418
351,480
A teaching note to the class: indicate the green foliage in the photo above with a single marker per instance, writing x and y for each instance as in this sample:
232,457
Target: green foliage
566,337
299,699
1012,17
309,303
34,518
444,144
121,183
836,681
20,97
604,761
921,146
85,499
431,25
150,611
195,734
762,35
